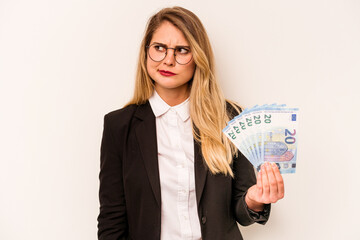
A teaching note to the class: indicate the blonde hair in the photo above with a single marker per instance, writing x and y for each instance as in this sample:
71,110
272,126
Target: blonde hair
208,110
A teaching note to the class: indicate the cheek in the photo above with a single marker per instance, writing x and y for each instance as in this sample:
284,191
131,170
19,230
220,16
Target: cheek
191,70
151,67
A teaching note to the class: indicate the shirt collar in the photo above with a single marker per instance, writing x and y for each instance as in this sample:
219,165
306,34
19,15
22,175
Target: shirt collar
159,107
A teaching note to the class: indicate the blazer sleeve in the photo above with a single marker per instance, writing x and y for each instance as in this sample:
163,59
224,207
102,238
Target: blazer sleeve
112,219
244,178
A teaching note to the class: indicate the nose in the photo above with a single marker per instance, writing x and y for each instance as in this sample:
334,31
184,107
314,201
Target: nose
170,57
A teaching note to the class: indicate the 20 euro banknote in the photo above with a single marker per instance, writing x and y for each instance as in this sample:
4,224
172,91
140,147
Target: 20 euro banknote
267,133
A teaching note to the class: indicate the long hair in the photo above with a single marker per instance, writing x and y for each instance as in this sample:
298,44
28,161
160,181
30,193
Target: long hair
208,110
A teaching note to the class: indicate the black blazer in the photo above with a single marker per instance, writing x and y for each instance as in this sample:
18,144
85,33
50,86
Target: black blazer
130,197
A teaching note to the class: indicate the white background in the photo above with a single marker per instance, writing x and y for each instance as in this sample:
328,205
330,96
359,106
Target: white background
64,64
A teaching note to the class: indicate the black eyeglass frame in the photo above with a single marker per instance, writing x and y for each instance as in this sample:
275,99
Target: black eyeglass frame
148,46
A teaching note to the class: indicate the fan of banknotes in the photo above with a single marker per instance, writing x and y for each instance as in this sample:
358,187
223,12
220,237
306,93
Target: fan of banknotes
266,133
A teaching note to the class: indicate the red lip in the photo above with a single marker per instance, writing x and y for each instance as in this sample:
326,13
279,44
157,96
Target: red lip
166,73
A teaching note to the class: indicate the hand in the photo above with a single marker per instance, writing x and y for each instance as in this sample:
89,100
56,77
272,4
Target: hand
268,189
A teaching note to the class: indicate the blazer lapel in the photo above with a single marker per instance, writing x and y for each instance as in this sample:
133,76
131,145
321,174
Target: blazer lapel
200,171
146,136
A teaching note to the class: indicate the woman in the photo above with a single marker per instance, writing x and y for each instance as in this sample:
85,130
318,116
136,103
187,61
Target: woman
167,171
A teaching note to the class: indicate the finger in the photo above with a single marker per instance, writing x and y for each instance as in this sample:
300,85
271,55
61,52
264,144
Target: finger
265,182
259,185
273,195
258,181
280,182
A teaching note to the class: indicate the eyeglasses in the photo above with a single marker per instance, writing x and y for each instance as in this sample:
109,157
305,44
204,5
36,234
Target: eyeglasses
157,52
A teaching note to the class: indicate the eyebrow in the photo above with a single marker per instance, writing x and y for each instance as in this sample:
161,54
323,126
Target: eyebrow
177,46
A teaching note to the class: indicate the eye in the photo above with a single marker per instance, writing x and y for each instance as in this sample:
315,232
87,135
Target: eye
159,48
182,50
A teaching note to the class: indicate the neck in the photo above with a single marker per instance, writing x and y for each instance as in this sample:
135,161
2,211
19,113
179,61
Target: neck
173,97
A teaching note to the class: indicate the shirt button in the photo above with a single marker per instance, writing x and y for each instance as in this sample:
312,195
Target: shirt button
203,220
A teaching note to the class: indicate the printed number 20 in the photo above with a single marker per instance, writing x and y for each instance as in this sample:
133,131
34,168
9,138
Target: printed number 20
290,139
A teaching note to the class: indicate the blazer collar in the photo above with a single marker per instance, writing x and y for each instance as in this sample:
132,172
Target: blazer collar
146,136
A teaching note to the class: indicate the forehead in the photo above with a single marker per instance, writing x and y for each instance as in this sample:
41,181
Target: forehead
168,34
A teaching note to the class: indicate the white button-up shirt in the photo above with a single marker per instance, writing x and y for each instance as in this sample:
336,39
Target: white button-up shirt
179,215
